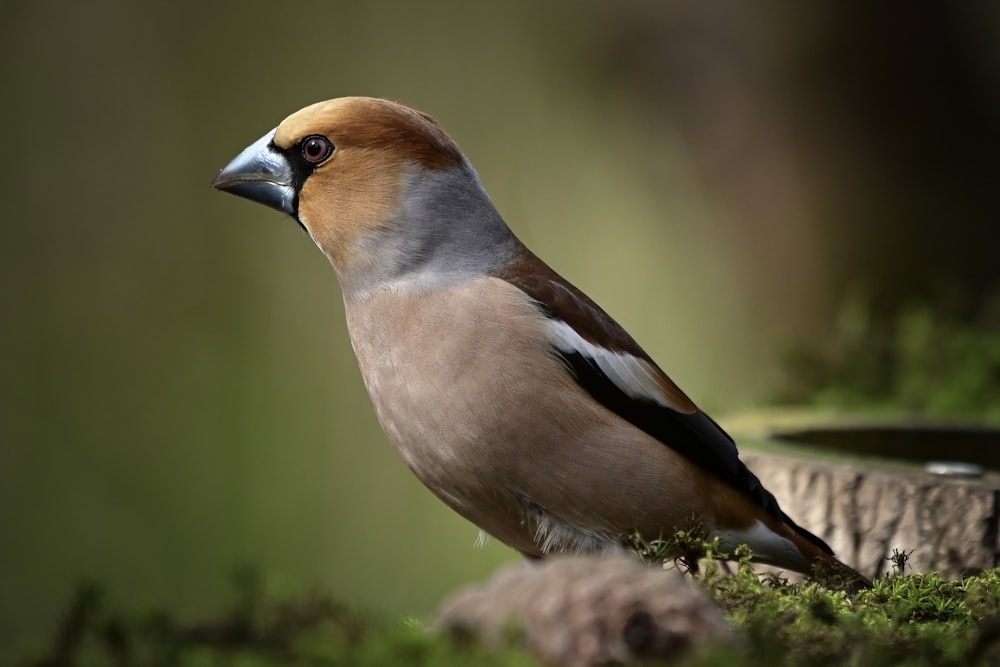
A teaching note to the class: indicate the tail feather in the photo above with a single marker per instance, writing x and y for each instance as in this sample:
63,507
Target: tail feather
824,566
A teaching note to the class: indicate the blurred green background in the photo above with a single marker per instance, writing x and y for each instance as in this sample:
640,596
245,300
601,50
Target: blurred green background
179,396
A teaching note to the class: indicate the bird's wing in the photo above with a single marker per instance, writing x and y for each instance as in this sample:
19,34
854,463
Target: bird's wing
618,373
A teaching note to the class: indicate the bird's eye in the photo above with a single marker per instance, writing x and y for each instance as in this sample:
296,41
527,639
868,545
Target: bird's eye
316,148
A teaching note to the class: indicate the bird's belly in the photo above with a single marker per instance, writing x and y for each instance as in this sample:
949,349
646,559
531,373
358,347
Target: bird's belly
448,434
498,428
453,394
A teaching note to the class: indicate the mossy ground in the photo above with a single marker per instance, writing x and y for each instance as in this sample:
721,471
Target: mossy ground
256,631
903,619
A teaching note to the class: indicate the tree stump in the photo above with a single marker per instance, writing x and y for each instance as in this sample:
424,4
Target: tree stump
867,508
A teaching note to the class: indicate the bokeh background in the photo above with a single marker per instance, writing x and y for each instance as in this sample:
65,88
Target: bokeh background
178,396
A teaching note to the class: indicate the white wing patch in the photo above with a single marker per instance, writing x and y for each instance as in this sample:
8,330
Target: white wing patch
635,377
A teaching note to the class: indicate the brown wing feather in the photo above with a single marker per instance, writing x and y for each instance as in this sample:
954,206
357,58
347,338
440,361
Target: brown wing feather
686,429
563,300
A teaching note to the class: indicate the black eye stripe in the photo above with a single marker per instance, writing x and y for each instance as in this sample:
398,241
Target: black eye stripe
302,165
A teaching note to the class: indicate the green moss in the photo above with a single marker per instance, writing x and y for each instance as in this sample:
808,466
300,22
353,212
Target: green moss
914,619
311,630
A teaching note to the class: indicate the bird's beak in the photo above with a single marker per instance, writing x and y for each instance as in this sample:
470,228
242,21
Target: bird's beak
260,173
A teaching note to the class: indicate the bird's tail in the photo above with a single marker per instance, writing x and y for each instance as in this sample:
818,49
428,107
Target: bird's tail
826,568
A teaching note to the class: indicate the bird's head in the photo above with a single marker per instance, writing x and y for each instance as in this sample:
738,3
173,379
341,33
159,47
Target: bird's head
384,192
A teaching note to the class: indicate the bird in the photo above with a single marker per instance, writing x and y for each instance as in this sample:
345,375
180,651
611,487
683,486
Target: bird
509,393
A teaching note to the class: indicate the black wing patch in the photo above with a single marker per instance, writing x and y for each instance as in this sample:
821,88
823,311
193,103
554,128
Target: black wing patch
695,436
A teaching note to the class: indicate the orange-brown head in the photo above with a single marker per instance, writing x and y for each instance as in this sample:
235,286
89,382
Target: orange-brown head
381,188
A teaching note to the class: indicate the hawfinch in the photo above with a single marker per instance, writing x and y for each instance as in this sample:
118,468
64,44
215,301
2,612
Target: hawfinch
512,396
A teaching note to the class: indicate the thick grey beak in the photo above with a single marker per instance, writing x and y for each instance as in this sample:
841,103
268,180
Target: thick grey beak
260,173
